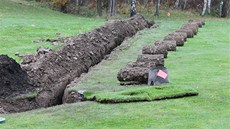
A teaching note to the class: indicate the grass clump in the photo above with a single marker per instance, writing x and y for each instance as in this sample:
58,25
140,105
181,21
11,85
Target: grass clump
141,94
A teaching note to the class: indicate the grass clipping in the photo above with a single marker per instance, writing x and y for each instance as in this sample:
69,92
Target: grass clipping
141,94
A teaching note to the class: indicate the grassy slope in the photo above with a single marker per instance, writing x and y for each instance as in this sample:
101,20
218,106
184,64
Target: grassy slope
23,23
203,64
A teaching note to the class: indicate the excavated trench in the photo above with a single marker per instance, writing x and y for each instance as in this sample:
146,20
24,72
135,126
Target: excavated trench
51,71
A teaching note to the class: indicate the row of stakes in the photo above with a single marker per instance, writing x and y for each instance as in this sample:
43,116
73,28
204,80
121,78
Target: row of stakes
149,66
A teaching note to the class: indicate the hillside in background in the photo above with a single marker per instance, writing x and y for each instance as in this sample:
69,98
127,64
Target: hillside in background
25,26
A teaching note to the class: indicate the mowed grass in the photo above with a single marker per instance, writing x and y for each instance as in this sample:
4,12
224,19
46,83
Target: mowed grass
141,94
203,64
22,23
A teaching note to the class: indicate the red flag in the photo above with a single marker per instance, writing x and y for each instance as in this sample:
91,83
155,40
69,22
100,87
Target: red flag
169,14
162,74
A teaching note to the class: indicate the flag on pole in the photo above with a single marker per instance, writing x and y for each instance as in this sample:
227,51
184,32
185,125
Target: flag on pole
162,74
158,75
169,14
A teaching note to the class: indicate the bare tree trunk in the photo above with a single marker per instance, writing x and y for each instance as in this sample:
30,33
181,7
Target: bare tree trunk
157,7
204,8
185,4
99,11
209,6
112,7
228,9
177,4
221,7
80,2
79,7
146,2
133,8
106,6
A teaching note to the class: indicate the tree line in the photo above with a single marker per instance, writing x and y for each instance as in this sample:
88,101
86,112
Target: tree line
112,7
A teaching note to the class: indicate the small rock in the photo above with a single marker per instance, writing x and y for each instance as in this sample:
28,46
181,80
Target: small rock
17,54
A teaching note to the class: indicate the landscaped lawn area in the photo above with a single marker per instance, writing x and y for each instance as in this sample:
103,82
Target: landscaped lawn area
203,65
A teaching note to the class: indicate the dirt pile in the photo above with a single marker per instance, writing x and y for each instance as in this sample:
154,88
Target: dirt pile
55,70
137,72
169,44
13,80
155,49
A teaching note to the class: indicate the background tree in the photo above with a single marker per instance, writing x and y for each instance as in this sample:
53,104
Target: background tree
177,4
112,7
62,4
99,5
226,9
204,7
185,4
106,6
221,7
158,2
209,6
133,8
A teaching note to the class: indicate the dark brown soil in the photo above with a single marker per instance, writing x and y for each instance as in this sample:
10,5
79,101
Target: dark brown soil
178,38
155,49
171,44
133,74
14,80
17,105
188,31
137,72
142,64
158,59
183,34
191,26
198,22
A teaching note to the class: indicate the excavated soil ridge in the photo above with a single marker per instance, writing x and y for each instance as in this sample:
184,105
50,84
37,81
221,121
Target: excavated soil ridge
53,71
14,80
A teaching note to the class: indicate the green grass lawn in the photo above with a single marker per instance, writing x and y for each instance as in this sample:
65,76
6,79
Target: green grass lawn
203,65
22,22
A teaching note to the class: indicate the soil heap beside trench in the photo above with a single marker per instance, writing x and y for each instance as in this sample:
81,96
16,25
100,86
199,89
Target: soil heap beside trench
14,80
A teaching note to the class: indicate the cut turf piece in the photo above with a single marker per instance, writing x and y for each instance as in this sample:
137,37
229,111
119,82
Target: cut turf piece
141,95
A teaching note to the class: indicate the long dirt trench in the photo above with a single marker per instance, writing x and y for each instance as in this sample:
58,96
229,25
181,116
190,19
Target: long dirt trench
51,72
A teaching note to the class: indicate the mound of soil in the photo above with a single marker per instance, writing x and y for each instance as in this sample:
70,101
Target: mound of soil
14,80
170,44
158,59
183,34
137,72
133,75
155,49
178,38
189,32
55,70
142,64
